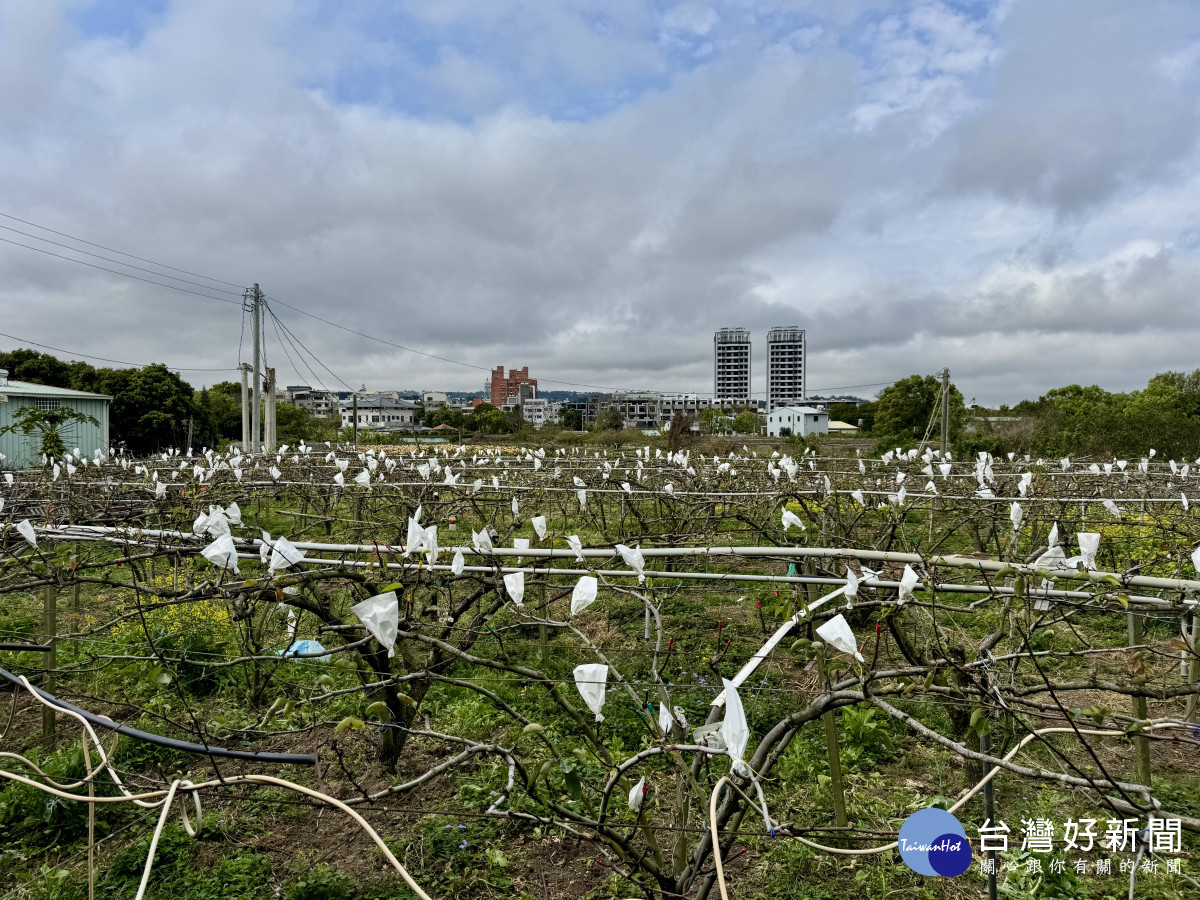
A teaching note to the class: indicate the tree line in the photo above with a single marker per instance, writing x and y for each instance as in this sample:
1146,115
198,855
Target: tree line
153,408
1065,421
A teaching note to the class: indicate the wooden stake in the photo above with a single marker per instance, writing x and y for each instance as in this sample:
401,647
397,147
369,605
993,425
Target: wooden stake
989,808
1142,742
50,631
837,787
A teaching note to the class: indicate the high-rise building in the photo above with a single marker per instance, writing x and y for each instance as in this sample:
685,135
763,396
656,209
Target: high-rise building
507,389
731,364
785,366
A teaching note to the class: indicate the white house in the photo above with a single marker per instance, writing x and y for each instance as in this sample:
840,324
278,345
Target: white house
799,420
536,411
378,412
432,400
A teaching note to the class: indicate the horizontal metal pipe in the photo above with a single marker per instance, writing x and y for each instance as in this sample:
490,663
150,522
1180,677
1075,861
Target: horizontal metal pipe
736,577
952,560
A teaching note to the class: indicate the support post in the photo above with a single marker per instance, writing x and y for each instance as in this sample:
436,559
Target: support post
543,630
50,633
1191,656
74,603
1136,635
256,408
989,810
354,398
837,787
833,752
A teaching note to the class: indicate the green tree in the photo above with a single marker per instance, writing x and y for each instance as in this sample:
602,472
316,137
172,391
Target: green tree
571,419
150,407
609,419
295,423
904,409
1075,420
712,420
48,423
447,415
485,419
219,408
850,413
745,422
38,368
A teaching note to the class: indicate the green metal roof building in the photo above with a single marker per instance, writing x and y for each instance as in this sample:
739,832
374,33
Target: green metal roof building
22,450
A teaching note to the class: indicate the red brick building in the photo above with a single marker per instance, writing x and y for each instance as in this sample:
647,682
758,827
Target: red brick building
508,388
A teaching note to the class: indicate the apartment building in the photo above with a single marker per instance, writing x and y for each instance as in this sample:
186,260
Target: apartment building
731,364
785,367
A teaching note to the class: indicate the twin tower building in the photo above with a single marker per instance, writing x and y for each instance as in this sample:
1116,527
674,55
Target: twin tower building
785,367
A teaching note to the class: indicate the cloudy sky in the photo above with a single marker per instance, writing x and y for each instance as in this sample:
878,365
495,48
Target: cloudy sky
591,187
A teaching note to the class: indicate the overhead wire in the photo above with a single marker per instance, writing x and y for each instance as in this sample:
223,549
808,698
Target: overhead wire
121,362
316,358
119,252
118,262
84,262
282,332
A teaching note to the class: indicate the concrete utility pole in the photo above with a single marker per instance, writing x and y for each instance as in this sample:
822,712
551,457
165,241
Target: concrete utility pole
945,410
270,409
256,408
245,410
355,420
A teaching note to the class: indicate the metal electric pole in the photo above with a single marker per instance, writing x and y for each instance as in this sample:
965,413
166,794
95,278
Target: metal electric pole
256,408
945,410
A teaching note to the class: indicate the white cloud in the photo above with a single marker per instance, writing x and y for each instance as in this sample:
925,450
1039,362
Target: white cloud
1011,194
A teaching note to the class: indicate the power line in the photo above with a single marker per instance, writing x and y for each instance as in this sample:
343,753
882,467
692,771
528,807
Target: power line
121,362
382,340
82,262
297,340
283,342
118,262
119,252
847,387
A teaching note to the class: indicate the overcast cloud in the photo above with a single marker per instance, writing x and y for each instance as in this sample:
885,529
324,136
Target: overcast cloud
592,187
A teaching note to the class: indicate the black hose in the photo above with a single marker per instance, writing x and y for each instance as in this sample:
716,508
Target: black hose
297,759
36,648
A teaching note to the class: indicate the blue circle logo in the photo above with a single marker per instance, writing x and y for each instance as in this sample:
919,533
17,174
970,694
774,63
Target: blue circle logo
933,842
